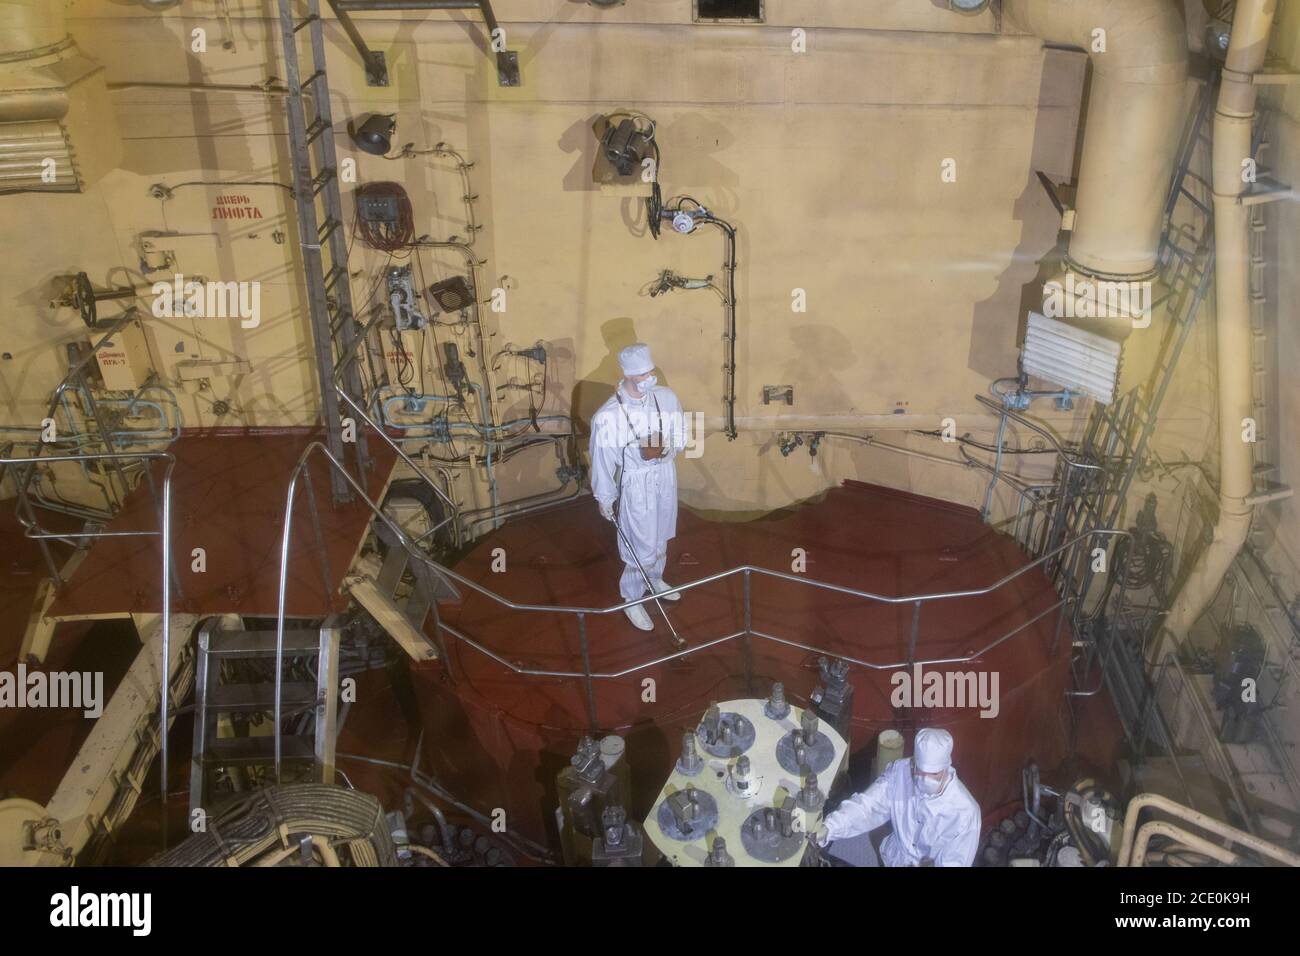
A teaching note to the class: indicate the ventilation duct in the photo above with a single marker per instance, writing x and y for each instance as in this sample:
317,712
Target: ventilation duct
1136,108
57,132
1071,358
1234,120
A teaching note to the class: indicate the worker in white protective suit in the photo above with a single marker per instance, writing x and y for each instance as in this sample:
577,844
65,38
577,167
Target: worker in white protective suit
635,436
936,822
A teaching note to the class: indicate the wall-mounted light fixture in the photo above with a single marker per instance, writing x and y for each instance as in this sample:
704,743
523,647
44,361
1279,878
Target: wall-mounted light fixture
375,135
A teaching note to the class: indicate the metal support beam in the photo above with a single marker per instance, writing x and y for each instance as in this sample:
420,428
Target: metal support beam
507,60
376,65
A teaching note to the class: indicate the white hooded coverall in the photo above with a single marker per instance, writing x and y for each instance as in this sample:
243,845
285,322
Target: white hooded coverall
647,490
944,828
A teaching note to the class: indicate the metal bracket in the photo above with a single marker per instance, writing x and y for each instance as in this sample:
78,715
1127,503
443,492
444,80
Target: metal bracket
376,68
778,393
1058,195
376,65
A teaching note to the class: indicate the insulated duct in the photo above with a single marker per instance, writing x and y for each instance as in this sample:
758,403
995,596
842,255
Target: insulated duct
1234,120
57,131
1138,51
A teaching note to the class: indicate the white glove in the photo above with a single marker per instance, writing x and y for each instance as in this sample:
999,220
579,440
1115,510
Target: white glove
607,510
820,836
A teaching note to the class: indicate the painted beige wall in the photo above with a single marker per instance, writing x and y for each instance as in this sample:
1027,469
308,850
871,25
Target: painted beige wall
828,162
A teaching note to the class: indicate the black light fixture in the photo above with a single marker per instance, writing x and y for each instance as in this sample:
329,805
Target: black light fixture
375,135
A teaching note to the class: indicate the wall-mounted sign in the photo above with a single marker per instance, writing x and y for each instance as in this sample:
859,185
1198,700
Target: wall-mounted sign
235,207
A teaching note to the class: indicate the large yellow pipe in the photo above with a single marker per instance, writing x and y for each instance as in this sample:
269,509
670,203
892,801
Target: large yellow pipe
1138,50
1234,121
30,28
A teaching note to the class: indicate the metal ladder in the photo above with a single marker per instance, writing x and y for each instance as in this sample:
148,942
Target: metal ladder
1120,433
215,699
321,232
1117,435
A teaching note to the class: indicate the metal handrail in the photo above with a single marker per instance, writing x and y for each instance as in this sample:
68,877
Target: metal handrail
446,498
34,531
1033,426
917,600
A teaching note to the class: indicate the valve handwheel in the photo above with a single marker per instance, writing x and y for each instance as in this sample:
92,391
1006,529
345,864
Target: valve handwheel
83,299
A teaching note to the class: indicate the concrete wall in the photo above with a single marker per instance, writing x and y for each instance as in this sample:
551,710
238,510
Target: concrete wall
828,162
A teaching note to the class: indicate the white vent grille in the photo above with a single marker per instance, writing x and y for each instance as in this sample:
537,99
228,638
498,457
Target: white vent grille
1071,357
36,156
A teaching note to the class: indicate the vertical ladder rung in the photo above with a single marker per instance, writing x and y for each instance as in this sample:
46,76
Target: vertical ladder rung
310,80
322,179
327,230
303,24
333,276
316,128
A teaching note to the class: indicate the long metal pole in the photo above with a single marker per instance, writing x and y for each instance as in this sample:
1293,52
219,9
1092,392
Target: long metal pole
166,638
586,672
749,641
645,577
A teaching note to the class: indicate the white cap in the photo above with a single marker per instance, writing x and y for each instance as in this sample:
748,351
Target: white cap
933,750
635,359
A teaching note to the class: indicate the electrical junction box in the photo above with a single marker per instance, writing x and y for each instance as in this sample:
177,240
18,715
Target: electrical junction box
124,360
380,210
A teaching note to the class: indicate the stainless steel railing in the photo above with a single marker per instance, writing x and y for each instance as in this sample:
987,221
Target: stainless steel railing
581,613
35,531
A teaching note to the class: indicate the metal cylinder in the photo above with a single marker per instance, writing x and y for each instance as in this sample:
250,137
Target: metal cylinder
1135,114
889,747
30,28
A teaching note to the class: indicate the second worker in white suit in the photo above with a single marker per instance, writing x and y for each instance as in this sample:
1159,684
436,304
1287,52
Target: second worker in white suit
635,437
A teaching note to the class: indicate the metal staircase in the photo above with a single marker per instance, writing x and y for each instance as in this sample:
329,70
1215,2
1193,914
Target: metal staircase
321,232
399,592
248,698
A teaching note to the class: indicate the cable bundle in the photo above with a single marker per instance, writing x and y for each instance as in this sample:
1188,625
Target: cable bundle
264,827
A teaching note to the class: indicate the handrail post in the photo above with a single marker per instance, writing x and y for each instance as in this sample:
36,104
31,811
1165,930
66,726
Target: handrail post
1066,585
279,617
916,626
997,468
26,503
749,639
441,644
586,672
324,563
166,639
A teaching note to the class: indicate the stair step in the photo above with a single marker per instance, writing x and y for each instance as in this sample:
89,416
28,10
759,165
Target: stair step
297,643
228,698
417,609
390,575
228,750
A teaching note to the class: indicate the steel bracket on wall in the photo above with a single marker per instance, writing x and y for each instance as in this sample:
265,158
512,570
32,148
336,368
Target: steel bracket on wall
377,69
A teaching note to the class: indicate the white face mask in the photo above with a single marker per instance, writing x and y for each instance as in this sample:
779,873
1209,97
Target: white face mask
644,386
928,786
